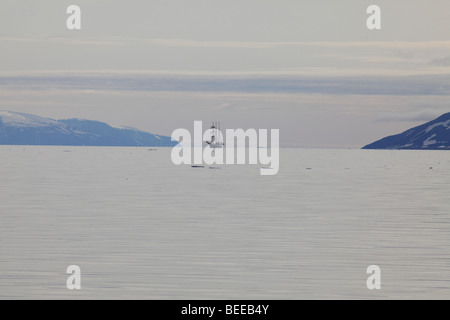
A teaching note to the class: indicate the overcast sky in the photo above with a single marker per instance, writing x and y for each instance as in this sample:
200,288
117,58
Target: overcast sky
309,68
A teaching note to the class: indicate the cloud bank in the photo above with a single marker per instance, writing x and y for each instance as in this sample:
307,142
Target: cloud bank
355,85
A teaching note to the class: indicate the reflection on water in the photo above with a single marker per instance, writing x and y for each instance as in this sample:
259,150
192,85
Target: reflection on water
140,227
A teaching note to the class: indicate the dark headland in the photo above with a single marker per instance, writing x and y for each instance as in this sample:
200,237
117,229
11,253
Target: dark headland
433,135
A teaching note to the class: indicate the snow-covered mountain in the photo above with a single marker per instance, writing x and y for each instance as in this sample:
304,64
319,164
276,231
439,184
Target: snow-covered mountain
434,135
26,129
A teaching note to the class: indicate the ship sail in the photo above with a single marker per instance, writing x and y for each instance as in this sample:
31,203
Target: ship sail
216,136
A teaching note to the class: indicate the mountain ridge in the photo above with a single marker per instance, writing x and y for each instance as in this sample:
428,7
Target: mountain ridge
433,135
17,128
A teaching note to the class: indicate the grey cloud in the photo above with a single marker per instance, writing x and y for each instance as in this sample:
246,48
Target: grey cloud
443,62
418,116
404,55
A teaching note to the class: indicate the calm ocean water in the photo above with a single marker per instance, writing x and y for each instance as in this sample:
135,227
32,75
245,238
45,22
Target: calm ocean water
140,227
